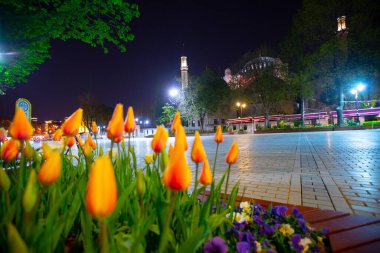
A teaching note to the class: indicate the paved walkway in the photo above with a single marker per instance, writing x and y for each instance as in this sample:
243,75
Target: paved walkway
328,170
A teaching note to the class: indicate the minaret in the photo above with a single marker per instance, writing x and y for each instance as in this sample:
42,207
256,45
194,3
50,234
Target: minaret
184,73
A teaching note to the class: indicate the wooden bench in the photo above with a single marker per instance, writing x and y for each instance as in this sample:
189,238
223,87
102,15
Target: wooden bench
347,232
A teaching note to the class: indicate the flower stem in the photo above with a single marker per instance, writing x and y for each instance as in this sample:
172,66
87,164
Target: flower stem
216,156
165,234
103,237
228,177
196,177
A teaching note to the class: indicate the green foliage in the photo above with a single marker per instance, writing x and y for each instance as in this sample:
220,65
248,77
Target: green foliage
372,123
205,95
167,115
59,220
28,28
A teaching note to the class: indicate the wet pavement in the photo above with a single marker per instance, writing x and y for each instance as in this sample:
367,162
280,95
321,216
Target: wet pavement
329,170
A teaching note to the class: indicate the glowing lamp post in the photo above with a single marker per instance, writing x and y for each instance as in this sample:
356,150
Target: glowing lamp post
241,106
355,92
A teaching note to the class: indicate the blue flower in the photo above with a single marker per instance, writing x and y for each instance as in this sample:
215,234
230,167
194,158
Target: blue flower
243,247
296,243
240,225
297,213
258,220
216,245
324,231
280,211
268,229
302,223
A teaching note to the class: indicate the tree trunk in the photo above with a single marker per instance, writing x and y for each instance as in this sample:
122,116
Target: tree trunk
302,112
339,110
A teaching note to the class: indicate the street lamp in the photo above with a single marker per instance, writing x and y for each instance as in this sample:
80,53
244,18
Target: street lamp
173,92
241,106
355,92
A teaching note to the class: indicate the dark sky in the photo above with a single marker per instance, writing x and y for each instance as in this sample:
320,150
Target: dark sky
215,34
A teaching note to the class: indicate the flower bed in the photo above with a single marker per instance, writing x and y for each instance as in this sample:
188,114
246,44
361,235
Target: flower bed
53,200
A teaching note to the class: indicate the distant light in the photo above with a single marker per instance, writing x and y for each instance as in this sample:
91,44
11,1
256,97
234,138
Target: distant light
173,92
140,122
146,121
353,91
238,104
137,119
243,105
360,86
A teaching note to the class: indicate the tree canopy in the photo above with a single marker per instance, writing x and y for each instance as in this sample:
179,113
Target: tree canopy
28,28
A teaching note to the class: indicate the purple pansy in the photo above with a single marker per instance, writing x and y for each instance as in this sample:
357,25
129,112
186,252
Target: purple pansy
216,245
280,211
296,243
297,213
243,247
302,223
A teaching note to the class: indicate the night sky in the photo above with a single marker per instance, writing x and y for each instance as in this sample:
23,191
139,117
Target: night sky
215,34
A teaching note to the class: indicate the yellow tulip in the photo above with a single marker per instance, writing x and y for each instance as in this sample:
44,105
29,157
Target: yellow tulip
148,158
31,192
50,169
101,196
58,135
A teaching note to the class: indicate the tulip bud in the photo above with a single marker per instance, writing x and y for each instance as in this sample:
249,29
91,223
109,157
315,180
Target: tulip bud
94,128
232,154
115,128
206,175
50,169
159,139
9,151
149,158
28,151
91,141
15,242
101,152
71,125
141,187
164,160
171,148
87,149
20,127
46,150
130,124
3,134
219,135
80,141
5,183
101,196
31,192
198,153
123,144
71,141
58,135
176,122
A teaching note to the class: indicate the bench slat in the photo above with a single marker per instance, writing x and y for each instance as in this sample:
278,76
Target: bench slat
323,215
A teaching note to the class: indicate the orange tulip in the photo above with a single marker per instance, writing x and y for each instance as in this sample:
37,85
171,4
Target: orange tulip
219,135
177,175
176,122
180,138
171,148
9,151
160,139
71,125
3,134
71,142
198,153
58,135
206,175
91,141
232,154
87,148
115,128
20,127
130,124
80,141
94,128
50,169
101,196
